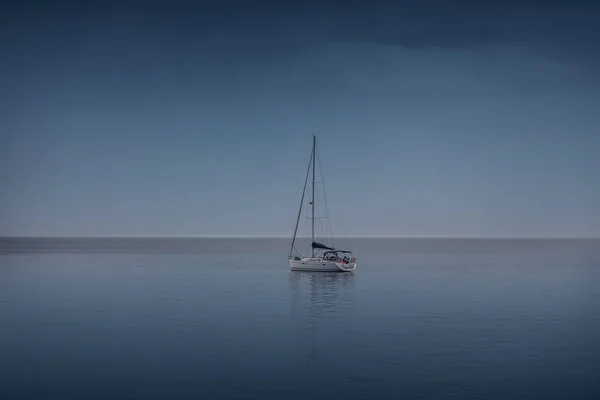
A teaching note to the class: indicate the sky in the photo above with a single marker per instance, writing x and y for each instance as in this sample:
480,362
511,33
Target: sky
172,118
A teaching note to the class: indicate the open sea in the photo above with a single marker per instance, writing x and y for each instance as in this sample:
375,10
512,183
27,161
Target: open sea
226,319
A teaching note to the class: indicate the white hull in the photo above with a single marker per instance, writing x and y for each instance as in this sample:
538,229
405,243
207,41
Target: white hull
320,265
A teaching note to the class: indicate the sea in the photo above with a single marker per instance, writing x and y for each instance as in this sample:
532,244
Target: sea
225,318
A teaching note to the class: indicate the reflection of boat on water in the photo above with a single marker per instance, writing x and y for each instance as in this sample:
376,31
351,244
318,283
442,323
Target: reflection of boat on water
326,290
323,258
317,299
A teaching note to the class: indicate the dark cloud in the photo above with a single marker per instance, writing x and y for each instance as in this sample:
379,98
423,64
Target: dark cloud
564,29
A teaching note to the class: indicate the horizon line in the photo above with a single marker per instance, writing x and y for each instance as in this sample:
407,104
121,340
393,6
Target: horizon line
288,237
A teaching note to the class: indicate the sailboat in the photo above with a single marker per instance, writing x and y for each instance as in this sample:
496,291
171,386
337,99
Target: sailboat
323,258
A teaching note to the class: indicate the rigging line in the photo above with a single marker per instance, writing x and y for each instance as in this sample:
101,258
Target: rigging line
328,223
292,248
323,231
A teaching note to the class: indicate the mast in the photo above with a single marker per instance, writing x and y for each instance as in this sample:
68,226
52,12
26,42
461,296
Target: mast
313,196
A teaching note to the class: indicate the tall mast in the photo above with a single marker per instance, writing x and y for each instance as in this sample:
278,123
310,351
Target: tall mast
313,196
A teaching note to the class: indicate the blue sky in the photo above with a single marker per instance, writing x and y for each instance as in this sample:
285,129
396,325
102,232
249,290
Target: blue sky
133,121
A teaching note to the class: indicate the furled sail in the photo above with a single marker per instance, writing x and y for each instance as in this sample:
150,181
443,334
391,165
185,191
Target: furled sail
317,245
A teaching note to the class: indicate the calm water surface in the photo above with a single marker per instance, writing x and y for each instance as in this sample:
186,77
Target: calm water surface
226,319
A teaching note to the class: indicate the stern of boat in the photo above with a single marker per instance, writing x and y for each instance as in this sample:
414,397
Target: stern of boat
346,267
